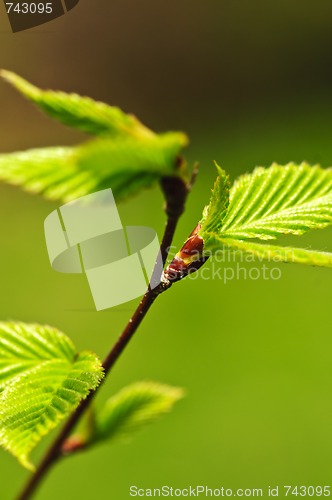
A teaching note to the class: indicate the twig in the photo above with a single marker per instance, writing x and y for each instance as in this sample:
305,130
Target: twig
176,192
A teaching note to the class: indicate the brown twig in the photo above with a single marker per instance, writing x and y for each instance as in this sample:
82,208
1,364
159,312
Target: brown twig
176,191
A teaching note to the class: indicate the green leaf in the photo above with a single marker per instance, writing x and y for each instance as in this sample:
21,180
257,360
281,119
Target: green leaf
42,380
44,171
80,112
126,157
134,407
215,212
125,164
272,253
288,199
278,200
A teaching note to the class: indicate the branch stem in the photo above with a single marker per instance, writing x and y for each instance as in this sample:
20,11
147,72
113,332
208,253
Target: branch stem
176,192
55,451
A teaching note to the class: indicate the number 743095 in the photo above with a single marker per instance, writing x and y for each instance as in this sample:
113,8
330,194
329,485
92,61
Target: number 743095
310,491
29,8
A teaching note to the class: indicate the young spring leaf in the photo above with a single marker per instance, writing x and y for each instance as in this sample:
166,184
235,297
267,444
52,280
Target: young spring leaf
279,200
132,408
215,212
42,171
126,158
80,112
274,253
126,164
288,199
42,380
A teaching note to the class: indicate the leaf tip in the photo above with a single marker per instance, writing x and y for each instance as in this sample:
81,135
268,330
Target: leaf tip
220,170
7,75
25,462
22,85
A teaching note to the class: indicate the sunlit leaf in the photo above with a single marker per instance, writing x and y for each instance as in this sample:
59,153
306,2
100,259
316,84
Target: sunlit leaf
272,253
79,112
278,200
215,212
288,199
123,164
42,380
133,408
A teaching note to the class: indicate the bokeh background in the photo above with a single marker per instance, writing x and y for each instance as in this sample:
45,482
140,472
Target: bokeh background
251,84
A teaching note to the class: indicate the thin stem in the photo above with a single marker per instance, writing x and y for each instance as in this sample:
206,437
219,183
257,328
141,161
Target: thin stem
176,192
55,451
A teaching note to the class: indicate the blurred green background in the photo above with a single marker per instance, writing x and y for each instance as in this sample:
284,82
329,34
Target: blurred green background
251,83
